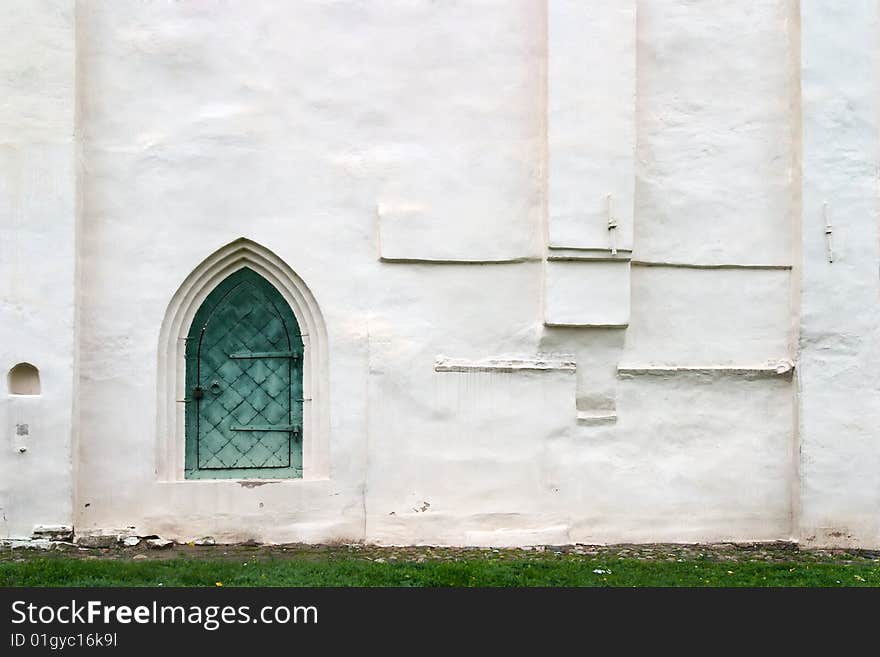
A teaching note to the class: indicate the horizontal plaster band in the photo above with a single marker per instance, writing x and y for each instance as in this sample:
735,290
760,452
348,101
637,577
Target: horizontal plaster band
444,364
595,418
585,326
412,233
437,261
561,253
685,265
782,368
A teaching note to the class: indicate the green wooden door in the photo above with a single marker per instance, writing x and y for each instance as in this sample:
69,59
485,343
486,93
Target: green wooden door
244,384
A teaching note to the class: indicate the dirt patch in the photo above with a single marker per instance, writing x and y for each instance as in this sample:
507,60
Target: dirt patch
721,552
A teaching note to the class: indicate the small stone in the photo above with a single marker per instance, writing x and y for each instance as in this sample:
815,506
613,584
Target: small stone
207,540
159,543
131,541
62,533
139,557
96,541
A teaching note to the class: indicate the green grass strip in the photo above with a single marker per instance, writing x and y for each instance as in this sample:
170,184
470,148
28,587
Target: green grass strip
183,571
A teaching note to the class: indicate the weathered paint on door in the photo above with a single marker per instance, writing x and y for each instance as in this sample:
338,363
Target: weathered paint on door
244,384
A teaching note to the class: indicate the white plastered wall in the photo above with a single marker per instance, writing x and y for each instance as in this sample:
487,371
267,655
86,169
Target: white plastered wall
393,158
501,367
840,344
37,261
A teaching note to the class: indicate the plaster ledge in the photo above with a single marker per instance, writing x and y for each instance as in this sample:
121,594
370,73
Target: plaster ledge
586,325
509,365
782,368
452,261
576,253
596,418
710,265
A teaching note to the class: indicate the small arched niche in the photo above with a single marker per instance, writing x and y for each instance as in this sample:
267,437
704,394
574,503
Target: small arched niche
24,379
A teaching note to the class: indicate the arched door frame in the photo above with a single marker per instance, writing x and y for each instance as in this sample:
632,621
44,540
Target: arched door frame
171,429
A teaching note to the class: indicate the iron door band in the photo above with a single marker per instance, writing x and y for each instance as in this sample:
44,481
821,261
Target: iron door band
287,428
293,355
296,430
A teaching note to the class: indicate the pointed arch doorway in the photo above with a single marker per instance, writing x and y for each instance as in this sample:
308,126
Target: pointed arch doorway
173,407
244,383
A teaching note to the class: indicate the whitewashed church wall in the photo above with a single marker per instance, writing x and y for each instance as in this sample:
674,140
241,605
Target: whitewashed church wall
37,262
556,246
294,127
405,187
839,349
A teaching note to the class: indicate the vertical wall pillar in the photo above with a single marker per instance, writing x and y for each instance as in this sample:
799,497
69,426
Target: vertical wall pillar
839,359
591,134
37,262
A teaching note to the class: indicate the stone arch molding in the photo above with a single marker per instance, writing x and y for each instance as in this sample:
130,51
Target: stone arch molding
181,310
